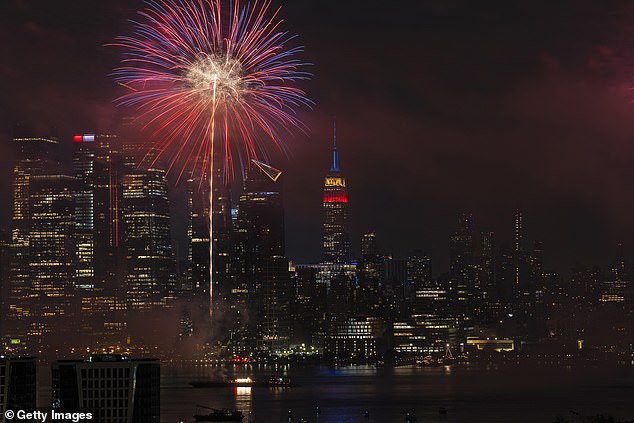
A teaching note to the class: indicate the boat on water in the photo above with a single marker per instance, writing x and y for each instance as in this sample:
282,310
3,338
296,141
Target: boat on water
446,360
279,382
238,382
273,382
219,415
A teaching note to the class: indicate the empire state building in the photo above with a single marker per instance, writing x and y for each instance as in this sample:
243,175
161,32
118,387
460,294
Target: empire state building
336,240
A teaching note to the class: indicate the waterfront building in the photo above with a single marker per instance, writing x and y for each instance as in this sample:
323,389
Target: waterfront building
275,327
18,384
112,388
356,339
431,326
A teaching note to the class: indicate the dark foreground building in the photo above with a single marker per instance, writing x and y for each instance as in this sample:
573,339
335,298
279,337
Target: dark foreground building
18,384
113,388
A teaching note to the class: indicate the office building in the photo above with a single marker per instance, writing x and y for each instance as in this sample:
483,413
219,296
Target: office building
35,156
113,388
259,237
18,385
100,262
336,241
52,255
275,329
97,164
151,268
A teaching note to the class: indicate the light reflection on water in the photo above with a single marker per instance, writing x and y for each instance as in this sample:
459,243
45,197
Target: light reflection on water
243,399
486,394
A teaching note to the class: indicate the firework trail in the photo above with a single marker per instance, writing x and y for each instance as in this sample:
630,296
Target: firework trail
212,81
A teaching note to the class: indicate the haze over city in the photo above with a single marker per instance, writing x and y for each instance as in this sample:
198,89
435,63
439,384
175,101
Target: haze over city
317,211
441,107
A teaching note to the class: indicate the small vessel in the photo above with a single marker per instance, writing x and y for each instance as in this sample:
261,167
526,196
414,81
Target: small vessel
219,415
273,382
279,382
410,418
426,361
239,382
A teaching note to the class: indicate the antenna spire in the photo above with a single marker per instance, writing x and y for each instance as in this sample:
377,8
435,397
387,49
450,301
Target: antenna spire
335,164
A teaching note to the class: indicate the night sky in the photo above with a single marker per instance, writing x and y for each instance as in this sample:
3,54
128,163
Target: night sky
441,106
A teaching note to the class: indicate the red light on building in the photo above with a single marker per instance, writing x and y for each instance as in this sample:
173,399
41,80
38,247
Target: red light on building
78,138
335,197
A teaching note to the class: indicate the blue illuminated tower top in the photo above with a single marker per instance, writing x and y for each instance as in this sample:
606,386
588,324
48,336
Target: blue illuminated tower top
335,163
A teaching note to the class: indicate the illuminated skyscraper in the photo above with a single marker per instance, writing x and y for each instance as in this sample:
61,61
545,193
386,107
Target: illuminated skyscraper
198,193
275,312
368,245
259,257
151,267
97,166
336,241
260,224
419,271
461,248
52,252
41,253
35,155
4,283
198,236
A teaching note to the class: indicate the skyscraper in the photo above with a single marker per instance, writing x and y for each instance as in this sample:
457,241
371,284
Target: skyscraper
198,235
336,242
419,271
519,253
275,315
97,166
198,192
260,224
151,267
52,252
461,248
42,250
259,247
463,269
368,245
35,155
99,275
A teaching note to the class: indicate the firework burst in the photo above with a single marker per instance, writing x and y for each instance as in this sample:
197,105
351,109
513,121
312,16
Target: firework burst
212,82
209,78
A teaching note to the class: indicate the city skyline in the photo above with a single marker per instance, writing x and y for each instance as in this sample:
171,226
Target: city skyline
429,214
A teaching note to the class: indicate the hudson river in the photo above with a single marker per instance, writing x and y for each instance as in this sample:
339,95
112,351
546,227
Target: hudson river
468,393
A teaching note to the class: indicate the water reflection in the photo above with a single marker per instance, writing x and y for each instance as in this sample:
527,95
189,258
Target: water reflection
243,399
359,394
